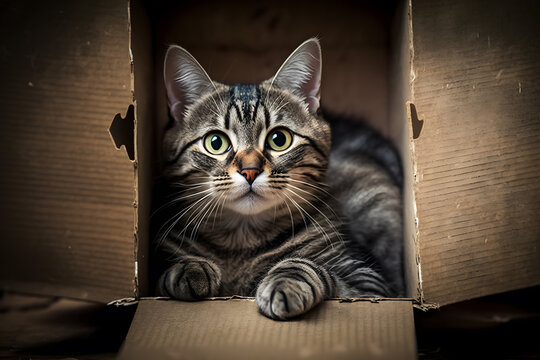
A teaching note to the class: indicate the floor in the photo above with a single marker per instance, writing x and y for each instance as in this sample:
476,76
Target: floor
504,326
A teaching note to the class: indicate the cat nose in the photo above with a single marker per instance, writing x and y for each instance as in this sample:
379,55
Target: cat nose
250,174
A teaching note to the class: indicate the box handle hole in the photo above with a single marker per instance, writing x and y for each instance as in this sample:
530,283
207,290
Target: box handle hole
416,123
122,131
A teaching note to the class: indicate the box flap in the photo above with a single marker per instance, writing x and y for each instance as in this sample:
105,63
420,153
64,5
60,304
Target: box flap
476,85
67,217
234,329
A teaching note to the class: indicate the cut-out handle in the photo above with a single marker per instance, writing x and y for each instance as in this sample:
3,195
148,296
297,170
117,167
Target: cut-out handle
416,123
122,131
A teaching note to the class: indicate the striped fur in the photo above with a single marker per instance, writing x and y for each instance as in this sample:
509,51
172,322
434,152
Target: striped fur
314,224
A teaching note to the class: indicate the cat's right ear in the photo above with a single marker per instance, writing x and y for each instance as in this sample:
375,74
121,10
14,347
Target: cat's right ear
301,73
185,80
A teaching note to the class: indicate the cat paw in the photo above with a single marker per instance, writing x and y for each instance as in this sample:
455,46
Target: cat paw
190,280
289,290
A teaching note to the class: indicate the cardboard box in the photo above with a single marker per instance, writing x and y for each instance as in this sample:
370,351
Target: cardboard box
454,84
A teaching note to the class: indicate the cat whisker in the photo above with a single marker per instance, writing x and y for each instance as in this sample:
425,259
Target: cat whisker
202,218
196,213
216,207
318,198
313,186
336,231
290,212
315,222
212,208
179,199
178,217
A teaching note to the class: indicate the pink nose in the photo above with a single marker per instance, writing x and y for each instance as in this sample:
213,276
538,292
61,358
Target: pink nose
250,174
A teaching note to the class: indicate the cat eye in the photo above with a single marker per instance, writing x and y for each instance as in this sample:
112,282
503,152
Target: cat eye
279,139
217,143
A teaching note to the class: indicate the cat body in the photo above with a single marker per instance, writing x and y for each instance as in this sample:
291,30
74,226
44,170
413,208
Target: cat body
262,206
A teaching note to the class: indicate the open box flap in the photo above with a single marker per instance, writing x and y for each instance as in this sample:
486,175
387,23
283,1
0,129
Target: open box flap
67,217
476,85
234,329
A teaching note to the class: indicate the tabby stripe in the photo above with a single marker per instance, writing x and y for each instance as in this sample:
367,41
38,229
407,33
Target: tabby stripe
257,103
318,270
183,150
311,176
285,300
266,116
313,166
232,104
367,282
295,276
223,183
312,143
372,288
188,174
371,203
291,269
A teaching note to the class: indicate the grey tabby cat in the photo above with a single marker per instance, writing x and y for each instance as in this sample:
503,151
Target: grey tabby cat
253,173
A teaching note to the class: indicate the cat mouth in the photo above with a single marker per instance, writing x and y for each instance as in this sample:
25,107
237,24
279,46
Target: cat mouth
250,194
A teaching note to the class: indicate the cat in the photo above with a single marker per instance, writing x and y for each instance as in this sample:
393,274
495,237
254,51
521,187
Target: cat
263,205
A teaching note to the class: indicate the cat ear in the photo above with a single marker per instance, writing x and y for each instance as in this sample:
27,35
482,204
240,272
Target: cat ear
301,73
185,80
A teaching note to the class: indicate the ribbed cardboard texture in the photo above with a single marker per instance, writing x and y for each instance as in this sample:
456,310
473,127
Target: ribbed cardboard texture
234,329
67,218
476,86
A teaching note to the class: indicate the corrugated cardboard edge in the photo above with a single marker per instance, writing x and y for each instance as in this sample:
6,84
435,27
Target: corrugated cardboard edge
420,303
135,167
134,301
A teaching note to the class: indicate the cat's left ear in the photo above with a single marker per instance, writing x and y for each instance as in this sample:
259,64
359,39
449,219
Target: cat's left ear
301,73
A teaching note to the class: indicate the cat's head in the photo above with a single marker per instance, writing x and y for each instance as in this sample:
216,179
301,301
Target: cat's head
250,147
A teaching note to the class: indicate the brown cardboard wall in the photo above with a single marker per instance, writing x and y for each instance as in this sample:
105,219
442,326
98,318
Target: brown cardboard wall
67,216
477,181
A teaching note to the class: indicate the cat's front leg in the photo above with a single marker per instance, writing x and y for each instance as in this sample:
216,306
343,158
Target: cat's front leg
292,287
191,278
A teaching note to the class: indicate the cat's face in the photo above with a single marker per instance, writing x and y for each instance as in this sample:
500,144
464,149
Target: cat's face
247,148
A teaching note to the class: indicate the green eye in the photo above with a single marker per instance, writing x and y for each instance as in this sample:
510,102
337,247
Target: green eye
217,143
279,139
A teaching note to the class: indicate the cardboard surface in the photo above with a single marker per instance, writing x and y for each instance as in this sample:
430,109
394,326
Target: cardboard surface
67,217
234,329
476,71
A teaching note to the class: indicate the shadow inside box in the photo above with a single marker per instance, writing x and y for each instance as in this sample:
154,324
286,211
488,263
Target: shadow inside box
503,326
49,327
